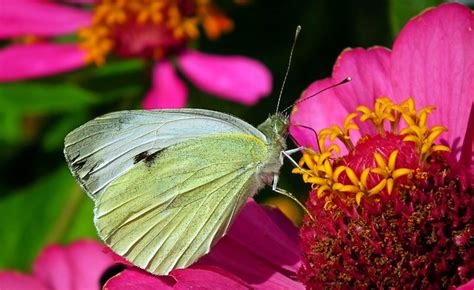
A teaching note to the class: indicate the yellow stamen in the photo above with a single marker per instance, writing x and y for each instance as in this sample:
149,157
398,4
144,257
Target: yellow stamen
325,167
383,110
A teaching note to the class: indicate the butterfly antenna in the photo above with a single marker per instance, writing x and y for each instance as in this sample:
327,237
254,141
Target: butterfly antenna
297,32
346,80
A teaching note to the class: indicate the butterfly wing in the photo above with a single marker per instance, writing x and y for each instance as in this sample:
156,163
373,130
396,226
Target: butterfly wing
168,210
105,148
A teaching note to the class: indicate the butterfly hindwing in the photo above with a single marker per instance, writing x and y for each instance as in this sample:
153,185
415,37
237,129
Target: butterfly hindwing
170,208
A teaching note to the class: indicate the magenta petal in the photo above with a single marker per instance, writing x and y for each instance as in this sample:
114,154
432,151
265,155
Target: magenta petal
52,268
40,18
24,61
467,151
211,278
239,260
82,1
138,280
77,266
12,280
168,90
468,286
257,239
370,73
320,112
256,228
237,78
433,61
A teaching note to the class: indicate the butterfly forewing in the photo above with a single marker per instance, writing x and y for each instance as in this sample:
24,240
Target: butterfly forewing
103,149
168,210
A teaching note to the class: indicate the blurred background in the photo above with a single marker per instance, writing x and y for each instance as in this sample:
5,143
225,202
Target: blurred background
41,203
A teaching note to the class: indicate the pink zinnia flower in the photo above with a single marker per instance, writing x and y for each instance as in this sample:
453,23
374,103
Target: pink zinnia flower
392,204
80,265
156,30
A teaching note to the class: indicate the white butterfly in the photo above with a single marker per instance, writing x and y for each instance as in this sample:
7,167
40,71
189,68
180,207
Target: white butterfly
167,183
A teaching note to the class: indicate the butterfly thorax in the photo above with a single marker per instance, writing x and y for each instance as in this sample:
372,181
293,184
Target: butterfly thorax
275,128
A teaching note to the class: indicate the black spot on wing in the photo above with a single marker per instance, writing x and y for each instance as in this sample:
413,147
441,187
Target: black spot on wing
78,165
88,174
148,158
75,158
139,157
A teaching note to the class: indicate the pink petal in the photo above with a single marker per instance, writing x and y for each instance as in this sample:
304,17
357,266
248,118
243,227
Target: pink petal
40,18
77,266
433,61
81,1
256,228
168,91
54,257
286,226
468,286
250,267
116,258
237,78
467,152
370,73
138,280
320,112
24,61
256,241
211,278
12,280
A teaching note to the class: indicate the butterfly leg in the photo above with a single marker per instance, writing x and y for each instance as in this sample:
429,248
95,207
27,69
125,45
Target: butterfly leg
288,153
276,177
291,196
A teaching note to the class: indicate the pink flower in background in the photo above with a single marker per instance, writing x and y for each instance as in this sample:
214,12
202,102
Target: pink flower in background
77,266
392,206
156,30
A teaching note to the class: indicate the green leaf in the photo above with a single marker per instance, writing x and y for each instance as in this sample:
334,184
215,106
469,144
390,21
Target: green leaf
117,80
53,137
10,127
54,210
403,10
118,67
41,98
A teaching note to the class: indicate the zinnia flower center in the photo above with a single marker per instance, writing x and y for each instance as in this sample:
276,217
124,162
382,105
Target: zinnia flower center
149,28
378,162
394,210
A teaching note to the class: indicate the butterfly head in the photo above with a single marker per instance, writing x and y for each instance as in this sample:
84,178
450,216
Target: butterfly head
275,127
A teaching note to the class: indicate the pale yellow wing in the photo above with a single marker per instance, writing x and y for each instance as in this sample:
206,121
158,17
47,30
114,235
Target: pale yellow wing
169,209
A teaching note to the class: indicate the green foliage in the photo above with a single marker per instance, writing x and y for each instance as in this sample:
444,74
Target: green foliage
41,98
402,10
23,99
52,210
53,138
